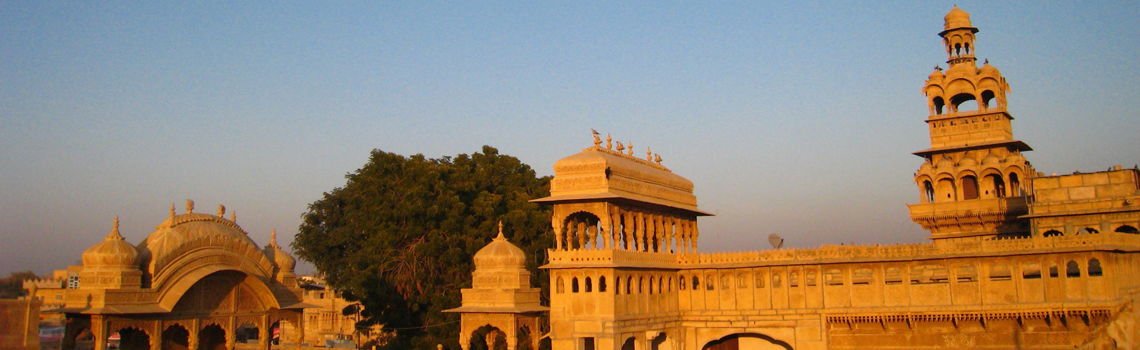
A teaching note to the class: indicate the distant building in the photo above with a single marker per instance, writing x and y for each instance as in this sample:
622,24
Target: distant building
1018,260
325,320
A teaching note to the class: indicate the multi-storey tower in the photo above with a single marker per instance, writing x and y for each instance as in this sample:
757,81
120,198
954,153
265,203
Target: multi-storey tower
972,179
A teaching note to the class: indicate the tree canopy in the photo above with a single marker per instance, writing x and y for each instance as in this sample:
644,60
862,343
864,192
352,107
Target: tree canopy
12,287
400,235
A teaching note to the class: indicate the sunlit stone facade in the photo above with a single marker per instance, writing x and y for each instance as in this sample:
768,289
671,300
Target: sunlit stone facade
1017,260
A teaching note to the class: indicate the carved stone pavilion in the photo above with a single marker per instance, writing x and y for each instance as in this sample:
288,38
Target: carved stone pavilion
1017,259
198,282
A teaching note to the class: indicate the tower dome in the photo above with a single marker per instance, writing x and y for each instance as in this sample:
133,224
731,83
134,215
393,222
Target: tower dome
112,252
283,260
957,19
500,253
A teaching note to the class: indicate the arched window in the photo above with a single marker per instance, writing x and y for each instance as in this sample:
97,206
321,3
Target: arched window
969,187
741,281
617,287
589,285
946,190
640,285
629,285
997,185
776,280
927,192
999,272
696,282
833,277
1094,268
602,284
939,103
862,276
670,284
660,283
1072,270
809,278
574,285
1015,185
987,97
1031,271
963,102
561,287
651,285
709,282
793,279
967,273
759,280
681,285
1052,233
1052,269
1127,229
892,276
725,281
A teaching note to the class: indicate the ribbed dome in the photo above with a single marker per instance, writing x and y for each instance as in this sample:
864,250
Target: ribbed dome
987,69
283,260
936,75
991,159
957,19
112,252
500,254
176,234
945,163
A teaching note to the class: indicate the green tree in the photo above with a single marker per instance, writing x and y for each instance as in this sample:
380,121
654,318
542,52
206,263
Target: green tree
400,235
12,286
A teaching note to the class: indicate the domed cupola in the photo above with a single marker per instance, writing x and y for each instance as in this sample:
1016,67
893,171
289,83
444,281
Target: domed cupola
112,252
112,263
957,18
988,69
936,75
500,254
283,260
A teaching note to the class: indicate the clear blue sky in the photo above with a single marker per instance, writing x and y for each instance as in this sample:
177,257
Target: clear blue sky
794,118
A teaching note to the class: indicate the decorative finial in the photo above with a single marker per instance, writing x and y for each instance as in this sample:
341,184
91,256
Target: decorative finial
657,158
597,141
189,206
938,68
233,216
621,147
115,231
171,209
609,144
648,154
221,211
500,236
631,148
273,238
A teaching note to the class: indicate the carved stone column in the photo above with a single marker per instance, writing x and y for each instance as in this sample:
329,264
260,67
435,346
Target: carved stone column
263,333
639,232
99,331
650,233
592,236
558,236
581,235
627,231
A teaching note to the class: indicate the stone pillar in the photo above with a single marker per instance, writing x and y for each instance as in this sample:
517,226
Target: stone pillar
650,233
99,331
156,340
581,235
627,231
606,232
263,333
696,235
592,240
192,339
231,336
558,236
662,242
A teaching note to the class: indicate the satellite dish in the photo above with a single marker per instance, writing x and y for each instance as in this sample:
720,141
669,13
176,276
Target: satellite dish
776,241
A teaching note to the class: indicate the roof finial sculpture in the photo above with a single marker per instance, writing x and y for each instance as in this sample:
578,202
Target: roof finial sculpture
171,209
233,216
221,211
631,148
609,143
500,236
648,154
189,206
621,147
597,141
657,158
115,230
938,68
273,238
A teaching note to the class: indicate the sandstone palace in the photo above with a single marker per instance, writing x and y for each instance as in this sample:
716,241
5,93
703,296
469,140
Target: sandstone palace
1017,259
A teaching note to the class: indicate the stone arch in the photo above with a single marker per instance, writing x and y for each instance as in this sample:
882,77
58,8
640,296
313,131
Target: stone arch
946,190
927,190
987,98
1014,184
993,185
209,262
574,285
212,337
175,337
589,285
1127,229
132,338
583,230
602,284
560,286
660,342
486,337
208,293
969,185
738,341
629,285
1072,269
1094,269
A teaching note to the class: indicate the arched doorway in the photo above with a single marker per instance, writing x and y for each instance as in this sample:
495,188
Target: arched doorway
488,338
247,333
212,337
749,341
175,338
131,339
